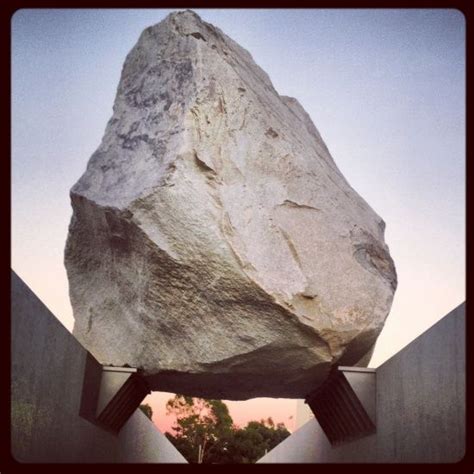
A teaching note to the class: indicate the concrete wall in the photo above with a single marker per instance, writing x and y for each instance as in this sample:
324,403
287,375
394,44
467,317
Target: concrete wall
47,376
303,414
420,407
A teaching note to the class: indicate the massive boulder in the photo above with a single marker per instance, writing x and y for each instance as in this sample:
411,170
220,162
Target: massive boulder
214,243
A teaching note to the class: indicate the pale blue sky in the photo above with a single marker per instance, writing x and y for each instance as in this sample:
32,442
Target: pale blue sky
385,88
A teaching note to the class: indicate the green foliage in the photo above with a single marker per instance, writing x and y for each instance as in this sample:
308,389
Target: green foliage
22,423
257,438
28,418
205,433
145,408
200,425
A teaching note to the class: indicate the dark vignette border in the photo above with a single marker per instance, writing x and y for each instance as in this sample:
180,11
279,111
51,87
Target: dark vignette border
7,9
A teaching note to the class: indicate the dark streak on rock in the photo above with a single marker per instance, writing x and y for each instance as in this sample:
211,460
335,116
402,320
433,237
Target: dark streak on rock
289,203
375,258
132,142
271,133
197,35
292,248
203,166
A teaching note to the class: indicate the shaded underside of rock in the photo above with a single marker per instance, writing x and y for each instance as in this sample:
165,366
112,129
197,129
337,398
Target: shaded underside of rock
214,243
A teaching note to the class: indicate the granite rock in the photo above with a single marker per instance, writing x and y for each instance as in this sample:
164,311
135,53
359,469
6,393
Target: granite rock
214,243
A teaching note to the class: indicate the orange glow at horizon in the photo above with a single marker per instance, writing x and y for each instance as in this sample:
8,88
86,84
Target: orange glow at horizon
279,409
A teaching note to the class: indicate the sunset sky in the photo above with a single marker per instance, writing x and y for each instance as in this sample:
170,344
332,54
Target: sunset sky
385,88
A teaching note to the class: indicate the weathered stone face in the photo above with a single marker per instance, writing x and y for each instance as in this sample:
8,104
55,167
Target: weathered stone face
214,242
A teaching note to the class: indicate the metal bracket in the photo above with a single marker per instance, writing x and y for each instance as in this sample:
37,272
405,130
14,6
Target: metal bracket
110,394
345,405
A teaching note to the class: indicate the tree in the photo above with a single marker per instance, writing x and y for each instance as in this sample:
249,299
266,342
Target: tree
201,426
205,433
249,444
145,408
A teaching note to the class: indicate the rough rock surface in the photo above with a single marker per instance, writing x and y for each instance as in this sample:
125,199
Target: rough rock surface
214,243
